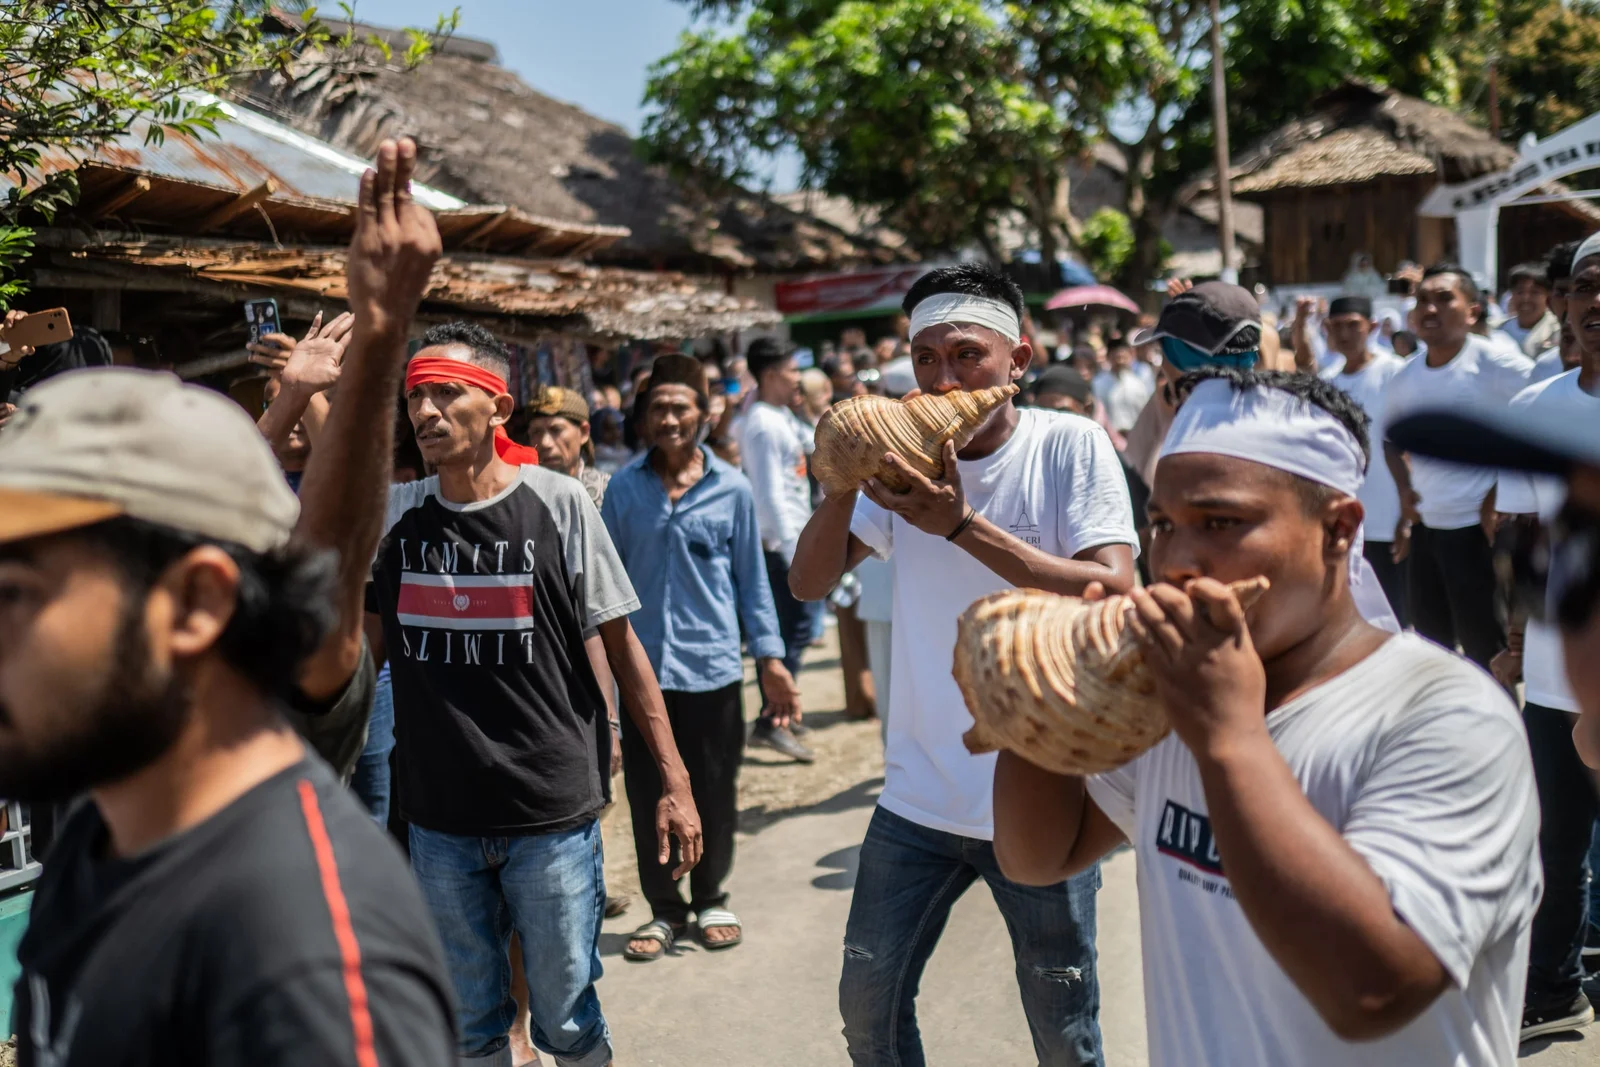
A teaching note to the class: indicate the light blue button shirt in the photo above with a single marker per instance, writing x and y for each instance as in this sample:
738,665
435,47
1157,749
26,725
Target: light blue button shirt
698,569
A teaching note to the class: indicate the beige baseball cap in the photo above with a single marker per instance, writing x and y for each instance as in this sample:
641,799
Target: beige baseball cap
90,445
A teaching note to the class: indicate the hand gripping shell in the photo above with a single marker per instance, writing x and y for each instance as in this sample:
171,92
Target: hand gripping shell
853,436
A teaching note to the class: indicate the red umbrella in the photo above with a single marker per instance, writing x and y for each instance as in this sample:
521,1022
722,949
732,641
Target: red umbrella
1091,296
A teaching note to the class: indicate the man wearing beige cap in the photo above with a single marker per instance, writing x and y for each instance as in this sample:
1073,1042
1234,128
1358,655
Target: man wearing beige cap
557,426
220,898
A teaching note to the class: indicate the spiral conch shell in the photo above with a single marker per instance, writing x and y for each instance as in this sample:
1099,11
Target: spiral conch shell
1059,680
855,433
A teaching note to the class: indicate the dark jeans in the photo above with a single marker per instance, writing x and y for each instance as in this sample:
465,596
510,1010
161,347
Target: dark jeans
1452,591
1391,575
370,781
709,731
797,620
908,879
1569,804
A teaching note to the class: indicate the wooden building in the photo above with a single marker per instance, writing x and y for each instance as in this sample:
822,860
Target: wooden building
1347,180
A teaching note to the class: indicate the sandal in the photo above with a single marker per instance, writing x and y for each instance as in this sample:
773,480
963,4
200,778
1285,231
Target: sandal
664,934
719,918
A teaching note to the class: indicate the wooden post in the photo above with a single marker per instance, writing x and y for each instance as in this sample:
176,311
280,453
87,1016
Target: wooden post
237,206
132,190
1219,121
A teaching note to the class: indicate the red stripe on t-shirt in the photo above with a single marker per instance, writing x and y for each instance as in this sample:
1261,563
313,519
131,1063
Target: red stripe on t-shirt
343,932
466,602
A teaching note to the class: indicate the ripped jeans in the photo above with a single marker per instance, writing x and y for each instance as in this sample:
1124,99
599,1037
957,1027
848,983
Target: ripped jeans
908,880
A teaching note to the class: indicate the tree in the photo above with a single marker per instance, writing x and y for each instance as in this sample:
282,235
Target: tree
947,116
1548,57
75,75
943,114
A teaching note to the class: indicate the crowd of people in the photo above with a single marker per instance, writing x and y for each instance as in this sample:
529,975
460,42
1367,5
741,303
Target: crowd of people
270,652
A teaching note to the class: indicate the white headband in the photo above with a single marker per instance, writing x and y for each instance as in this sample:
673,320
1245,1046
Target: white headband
941,308
1590,247
1278,429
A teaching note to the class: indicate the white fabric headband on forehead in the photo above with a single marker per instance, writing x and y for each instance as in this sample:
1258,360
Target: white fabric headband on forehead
941,308
1278,429
1271,427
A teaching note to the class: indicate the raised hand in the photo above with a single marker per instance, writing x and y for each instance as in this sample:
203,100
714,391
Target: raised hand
395,243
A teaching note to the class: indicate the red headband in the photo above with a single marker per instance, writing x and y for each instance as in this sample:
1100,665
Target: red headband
439,369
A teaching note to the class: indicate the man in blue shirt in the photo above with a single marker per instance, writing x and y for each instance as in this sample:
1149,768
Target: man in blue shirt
684,523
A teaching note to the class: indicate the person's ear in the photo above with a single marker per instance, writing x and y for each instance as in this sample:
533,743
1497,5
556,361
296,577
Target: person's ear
1341,520
583,432
1021,359
503,407
193,601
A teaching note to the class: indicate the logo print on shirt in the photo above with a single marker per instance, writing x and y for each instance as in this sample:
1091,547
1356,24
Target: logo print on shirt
466,602
1186,835
1025,529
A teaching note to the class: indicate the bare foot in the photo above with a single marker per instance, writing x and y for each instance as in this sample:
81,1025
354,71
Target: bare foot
718,935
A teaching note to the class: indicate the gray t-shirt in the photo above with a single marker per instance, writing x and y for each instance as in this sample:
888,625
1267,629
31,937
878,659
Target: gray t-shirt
500,727
337,729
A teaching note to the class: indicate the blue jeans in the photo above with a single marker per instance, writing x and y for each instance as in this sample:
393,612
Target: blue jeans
550,888
1594,877
908,880
370,782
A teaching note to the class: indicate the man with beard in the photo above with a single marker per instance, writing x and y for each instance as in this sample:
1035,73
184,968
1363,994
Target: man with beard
1035,500
1446,510
1337,844
498,590
220,898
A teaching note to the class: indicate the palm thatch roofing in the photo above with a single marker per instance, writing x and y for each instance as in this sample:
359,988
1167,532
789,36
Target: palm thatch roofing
1360,132
487,137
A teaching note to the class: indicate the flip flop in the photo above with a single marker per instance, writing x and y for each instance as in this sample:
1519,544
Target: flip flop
718,918
662,933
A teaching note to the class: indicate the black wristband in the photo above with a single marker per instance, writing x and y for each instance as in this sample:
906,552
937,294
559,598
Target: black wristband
960,529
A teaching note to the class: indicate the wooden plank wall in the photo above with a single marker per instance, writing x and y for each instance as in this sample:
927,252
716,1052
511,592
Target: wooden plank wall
1311,234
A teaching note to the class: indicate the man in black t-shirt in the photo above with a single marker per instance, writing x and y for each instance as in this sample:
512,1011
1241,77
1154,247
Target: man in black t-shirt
219,898
498,589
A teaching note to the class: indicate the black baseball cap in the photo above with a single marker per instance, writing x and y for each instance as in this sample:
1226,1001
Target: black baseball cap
1215,317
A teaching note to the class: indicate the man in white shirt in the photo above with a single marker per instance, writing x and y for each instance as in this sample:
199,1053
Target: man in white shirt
1337,844
773,447
1533,325
1121,390
1363,372
1445,507
1036,499
1564,356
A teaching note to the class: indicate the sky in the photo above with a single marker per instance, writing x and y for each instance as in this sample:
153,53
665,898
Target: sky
592,53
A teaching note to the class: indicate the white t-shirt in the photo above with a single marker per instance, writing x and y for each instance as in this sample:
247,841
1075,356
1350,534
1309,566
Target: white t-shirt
773,447
1544,667
1057,485
1123,396
1419,760
1480,373
1547,366
1378,494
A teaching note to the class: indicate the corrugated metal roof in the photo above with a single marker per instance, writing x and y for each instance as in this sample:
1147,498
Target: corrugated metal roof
249,149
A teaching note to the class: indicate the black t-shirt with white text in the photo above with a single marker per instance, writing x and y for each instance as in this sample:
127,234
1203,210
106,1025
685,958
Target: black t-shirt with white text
284,930
500,728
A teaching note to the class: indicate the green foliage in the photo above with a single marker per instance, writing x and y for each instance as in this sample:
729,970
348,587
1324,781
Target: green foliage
1548,56
76,74
1106,242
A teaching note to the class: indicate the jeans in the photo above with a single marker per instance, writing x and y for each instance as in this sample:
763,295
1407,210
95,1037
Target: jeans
370,781
1451,591
1569,804
1392,576
709,731
908,879
550,888
1594,879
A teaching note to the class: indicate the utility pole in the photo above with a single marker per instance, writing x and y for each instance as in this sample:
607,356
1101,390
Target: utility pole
1219,121
1494,99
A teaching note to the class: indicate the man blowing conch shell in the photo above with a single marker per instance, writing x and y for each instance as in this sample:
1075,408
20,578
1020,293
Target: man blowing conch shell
1338,842
1034,499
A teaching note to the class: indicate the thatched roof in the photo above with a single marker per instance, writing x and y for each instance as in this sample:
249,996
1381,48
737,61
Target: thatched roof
487,137
1359,133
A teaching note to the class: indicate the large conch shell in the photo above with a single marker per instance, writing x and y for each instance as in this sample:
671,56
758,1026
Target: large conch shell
853,436
1059,680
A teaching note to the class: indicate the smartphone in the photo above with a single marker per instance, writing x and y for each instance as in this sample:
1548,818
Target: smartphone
262,318
39,328
1400,286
